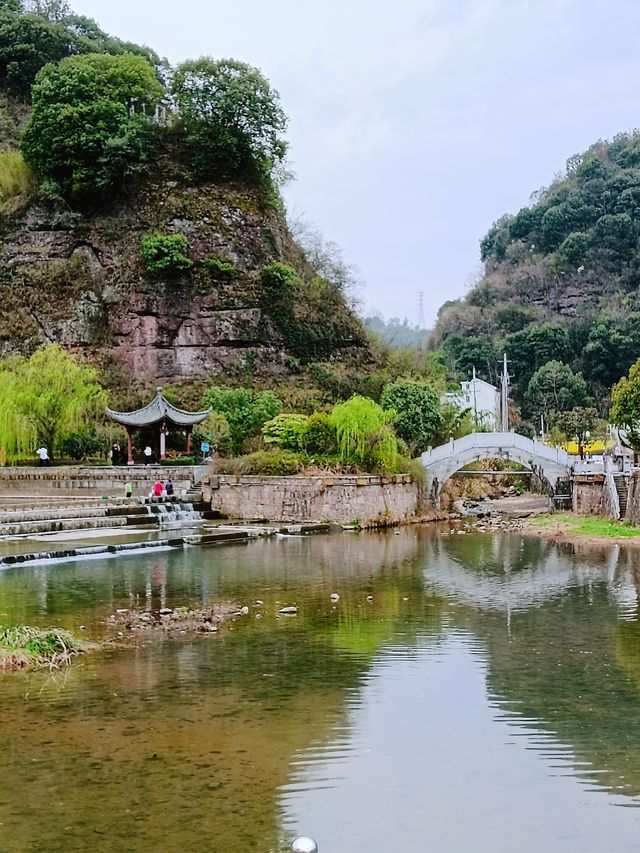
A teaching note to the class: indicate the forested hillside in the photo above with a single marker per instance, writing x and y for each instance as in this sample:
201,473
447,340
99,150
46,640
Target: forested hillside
561,282
141,220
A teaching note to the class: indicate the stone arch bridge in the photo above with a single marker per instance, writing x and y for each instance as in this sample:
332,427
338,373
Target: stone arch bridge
551,465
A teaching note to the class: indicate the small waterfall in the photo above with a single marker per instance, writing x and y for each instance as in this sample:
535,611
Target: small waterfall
171,514
88,552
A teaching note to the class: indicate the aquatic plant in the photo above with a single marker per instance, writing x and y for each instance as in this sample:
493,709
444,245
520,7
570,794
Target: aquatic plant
23,647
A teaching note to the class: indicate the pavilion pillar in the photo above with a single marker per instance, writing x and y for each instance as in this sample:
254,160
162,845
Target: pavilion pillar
129,449
163,440
188,441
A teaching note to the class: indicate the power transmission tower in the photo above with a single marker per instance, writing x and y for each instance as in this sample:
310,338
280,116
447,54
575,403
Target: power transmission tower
421,320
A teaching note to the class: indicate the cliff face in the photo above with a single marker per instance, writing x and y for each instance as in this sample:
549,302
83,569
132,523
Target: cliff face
79,280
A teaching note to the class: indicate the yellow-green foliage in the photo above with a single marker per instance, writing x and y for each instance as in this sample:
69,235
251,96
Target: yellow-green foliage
16,178
365,436
44,396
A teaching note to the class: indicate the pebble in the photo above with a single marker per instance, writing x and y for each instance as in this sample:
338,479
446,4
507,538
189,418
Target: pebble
369,598
288,611
334,596
165,611
244,610
259,602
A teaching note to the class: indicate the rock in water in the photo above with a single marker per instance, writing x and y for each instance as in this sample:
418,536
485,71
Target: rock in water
288,611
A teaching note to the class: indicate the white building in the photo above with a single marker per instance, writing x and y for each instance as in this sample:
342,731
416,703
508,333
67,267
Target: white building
482,398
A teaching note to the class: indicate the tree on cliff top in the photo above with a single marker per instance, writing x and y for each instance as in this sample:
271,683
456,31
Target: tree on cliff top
83,136
625,404
44,396
231,117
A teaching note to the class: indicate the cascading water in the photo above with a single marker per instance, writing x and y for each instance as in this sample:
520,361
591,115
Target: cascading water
175,514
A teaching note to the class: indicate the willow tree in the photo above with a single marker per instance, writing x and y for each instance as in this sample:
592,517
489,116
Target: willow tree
364,433
43,396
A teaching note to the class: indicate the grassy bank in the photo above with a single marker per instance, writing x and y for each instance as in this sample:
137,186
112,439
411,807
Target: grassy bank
592,527
22,647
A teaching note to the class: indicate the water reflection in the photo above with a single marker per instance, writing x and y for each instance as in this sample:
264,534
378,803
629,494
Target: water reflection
465,692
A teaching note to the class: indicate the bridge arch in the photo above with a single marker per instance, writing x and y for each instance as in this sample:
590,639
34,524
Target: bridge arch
549,464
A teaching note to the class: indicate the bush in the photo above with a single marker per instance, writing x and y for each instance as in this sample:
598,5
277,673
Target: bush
244,410
215,430
279,280
319,436
165,253
179,460
84,442
285,431
277,463
219,265
417,418
16,178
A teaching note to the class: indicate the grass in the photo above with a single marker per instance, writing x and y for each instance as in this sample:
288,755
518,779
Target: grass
601,528
22,647
16,178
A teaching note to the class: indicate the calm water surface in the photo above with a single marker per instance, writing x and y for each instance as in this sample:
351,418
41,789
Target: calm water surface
486,699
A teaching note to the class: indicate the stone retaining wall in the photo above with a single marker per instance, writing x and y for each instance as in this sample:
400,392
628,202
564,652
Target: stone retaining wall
369,499
633,497
80,480
588,494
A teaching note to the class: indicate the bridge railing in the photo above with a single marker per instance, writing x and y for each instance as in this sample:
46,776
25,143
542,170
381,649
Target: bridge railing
497,442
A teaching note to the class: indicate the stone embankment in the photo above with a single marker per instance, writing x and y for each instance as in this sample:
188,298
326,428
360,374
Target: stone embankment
372,501
94,480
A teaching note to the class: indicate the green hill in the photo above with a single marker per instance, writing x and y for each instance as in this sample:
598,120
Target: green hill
561,280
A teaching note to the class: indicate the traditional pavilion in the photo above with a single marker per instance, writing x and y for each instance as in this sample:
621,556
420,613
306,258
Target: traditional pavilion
161,415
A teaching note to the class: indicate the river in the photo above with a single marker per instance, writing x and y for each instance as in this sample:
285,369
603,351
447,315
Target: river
465,693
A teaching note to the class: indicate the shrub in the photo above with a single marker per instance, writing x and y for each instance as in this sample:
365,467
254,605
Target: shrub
16,178
285,431
215,430
244,410
162,253
219,265
84,442
319,436
279,280
179,460
416,408
364,434
277,463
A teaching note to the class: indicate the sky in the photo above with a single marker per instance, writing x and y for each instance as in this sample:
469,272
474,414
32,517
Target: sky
415,124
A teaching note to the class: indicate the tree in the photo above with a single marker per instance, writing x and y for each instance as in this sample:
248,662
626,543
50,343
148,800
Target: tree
245,411
554,388
27,43
44,396
417,418
84,134
231,117
364,433
464,353
285,431
578,422
625,404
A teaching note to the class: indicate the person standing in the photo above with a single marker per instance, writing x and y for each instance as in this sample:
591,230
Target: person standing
148,453
157,489
43,456
168,487
128,490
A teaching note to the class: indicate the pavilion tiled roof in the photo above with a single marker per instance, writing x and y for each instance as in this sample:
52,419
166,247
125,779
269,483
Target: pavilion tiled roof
159,409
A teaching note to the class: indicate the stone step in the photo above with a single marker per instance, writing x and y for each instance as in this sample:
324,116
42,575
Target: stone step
21,528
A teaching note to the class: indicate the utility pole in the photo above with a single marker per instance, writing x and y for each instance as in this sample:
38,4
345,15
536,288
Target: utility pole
475,401
504,395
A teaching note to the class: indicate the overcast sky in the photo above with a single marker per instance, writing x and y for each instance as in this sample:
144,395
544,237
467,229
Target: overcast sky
415,124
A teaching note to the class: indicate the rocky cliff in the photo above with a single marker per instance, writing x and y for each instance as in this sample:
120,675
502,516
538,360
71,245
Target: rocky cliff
79,280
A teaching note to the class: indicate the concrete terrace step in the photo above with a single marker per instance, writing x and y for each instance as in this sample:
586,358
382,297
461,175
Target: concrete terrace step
53,525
